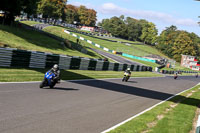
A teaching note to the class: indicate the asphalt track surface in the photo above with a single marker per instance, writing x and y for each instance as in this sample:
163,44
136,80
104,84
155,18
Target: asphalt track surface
116,57
41,26
87,106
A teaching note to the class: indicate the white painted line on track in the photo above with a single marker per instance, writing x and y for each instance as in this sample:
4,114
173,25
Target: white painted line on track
123,122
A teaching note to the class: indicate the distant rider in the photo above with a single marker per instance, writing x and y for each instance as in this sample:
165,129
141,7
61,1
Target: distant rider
128,70
197,75
175,75
55,69
127,74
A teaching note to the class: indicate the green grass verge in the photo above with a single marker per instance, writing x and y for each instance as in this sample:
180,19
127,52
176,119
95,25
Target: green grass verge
20,74
30,22
58,31
133,49
118,39
32,40
137,50
175,119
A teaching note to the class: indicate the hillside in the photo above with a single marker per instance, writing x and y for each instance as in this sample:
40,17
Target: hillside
20,38
133,49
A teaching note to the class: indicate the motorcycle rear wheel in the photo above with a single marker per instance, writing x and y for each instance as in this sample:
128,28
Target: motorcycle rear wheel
52,85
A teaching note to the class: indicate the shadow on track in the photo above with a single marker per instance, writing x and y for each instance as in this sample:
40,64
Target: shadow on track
132,81
102,84
142,92
61,88
122,88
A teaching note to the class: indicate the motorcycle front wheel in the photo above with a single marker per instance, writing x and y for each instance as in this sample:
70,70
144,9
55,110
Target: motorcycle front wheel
127,78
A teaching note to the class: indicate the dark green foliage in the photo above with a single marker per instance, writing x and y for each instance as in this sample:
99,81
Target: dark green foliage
131,29
13,8
52,8
173,43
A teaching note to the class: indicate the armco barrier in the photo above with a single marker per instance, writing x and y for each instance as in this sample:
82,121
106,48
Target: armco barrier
37,60
138,58
64,62
92,65
32,59
99,65
172,72
5,57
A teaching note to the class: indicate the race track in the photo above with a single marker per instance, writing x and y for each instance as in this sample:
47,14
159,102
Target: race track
87,106
117,58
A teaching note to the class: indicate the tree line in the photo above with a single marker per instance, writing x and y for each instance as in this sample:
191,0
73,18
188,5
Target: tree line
131,29
49,9
172,42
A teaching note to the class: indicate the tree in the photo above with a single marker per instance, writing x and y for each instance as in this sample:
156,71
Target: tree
82,12
87,16
116,26
134,29
71,14
166,40
92,17
13,8
183,45
52,8
149,33
131,29
105,24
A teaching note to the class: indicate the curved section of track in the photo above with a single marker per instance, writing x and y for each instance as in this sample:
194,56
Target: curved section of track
116,57
87,106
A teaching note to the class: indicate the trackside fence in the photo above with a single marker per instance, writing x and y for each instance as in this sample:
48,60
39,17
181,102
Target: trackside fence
11,57
179,72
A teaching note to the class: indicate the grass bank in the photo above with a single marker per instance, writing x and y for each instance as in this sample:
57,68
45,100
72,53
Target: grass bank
20,74
58,31
133,49
16,37
30,22
173,116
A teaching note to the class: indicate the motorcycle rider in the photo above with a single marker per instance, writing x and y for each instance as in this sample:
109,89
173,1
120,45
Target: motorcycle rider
197,75
128,70
55,69
175,75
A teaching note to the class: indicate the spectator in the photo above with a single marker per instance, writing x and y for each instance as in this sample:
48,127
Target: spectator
77,41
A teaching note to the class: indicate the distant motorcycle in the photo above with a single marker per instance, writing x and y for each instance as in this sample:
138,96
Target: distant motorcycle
49,80
126,76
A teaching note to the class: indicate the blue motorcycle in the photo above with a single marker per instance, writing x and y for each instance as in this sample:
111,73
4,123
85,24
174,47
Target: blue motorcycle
49,80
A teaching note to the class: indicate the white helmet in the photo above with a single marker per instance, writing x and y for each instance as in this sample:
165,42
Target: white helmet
128,69
55,67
